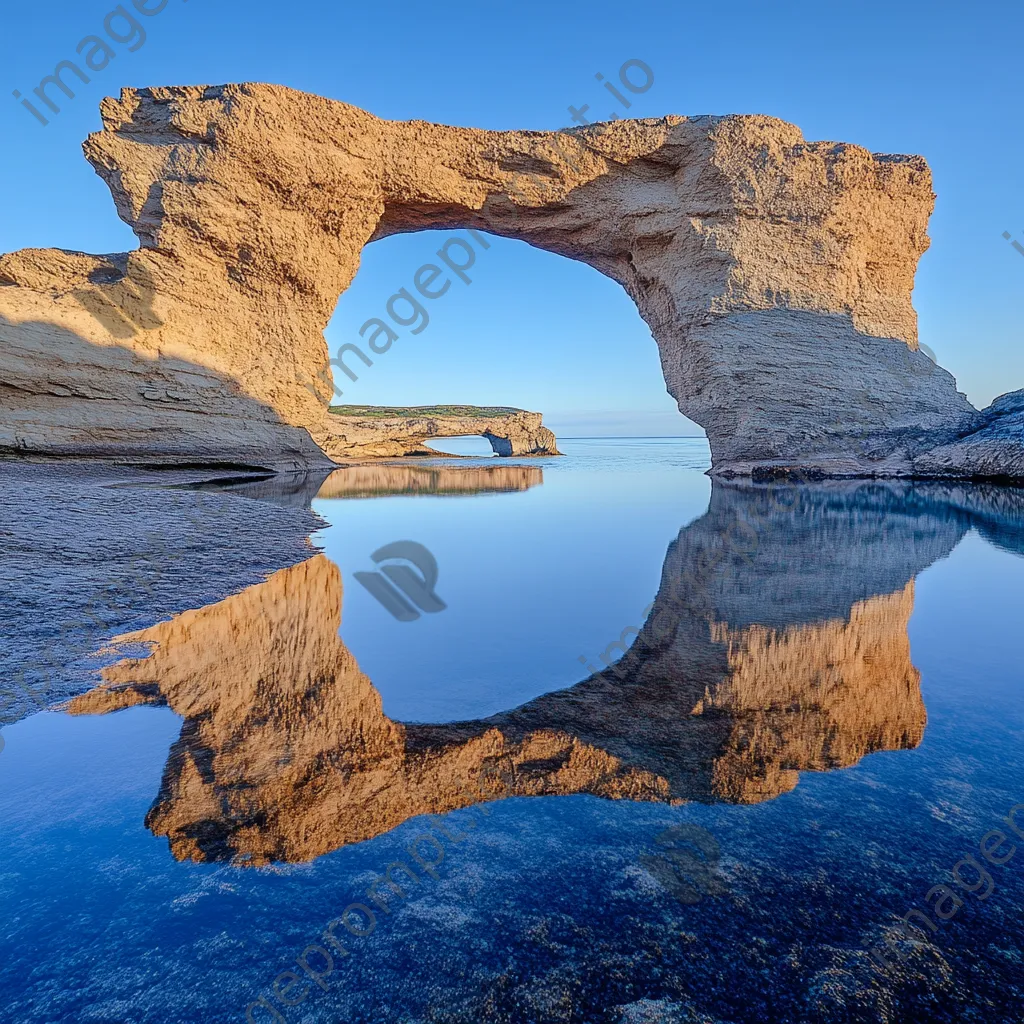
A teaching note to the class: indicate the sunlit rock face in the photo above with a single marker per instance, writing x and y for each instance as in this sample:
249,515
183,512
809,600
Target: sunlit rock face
774,273
406,431
285,752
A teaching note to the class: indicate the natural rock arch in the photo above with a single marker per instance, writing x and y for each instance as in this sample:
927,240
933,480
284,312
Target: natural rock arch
775,276
382,431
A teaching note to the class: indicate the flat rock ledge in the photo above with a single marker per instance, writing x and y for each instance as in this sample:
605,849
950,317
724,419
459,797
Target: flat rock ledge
368,431
775,275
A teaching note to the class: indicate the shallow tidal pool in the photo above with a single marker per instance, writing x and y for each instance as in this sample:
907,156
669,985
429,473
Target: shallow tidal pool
590,739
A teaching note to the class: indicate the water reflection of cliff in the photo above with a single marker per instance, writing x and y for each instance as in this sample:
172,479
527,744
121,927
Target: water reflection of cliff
376,480
395,479
784,653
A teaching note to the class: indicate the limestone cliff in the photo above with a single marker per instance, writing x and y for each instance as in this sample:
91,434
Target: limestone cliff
774,273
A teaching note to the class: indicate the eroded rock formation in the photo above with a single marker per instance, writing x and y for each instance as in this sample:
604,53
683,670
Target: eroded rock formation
775,275
509,431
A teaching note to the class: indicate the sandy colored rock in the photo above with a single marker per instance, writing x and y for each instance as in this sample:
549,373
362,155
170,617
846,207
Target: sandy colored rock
509,431
774,273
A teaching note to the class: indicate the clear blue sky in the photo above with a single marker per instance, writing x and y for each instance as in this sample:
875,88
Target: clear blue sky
535,330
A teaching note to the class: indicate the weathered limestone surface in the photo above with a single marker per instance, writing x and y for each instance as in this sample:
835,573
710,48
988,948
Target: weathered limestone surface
775,275
509,431
995,448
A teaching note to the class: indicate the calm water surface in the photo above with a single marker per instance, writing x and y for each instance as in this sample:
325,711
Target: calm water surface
672,751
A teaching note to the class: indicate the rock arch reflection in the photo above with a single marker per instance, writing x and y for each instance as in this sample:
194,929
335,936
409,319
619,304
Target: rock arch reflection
793,659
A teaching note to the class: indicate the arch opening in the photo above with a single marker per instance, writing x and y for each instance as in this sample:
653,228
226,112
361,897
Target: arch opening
516,326
475,446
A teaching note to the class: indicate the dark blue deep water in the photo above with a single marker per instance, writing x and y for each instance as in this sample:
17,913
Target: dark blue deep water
672,751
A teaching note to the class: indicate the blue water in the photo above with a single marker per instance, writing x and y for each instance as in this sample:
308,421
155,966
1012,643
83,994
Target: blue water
828,682
533,580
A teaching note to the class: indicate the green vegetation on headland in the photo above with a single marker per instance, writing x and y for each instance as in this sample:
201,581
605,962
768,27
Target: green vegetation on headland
408,411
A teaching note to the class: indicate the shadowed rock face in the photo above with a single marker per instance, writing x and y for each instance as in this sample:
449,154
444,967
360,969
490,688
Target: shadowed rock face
285,752
994,448
775,275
